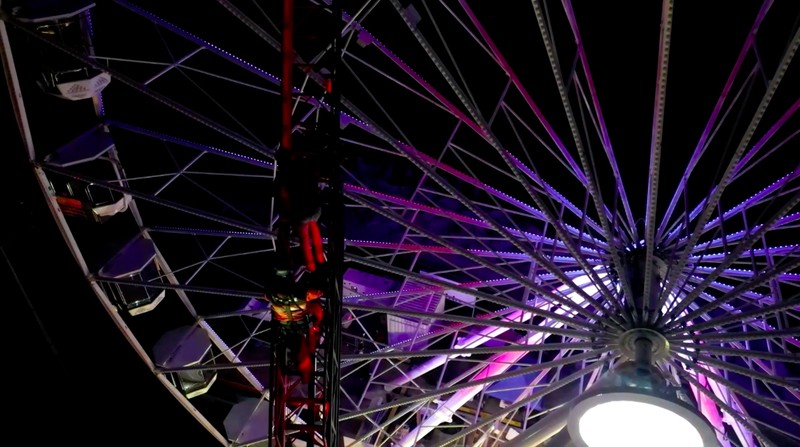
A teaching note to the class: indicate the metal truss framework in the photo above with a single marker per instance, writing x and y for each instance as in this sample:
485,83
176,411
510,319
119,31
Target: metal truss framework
463,182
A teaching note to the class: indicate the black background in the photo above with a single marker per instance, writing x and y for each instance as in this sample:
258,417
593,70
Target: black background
69,376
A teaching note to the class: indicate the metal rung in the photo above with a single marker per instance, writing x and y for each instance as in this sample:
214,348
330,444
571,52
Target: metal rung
304,401
304,427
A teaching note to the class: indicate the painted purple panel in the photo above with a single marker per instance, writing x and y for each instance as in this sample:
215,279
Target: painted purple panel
183,346
86,147
131,259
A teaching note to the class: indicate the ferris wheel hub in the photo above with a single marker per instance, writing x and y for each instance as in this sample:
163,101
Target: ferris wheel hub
632,340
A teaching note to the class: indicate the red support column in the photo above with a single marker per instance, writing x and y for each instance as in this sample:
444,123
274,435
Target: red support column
280,379
303,398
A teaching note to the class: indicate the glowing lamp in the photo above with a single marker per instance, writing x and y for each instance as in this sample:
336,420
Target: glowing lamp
633,406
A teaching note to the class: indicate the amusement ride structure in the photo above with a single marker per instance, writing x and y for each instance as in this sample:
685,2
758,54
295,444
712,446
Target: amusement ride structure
348,223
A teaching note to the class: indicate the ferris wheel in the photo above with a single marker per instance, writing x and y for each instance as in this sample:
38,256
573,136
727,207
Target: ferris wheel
550,223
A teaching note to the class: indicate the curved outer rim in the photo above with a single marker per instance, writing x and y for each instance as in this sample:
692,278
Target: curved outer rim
707,434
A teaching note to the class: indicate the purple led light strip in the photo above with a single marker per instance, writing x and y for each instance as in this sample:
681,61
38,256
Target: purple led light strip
606,140
438,211
780,183
717,109
368,38
499,364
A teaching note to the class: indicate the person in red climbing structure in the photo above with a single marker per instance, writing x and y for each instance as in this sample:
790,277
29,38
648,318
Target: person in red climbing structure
295,293
299,195
296,307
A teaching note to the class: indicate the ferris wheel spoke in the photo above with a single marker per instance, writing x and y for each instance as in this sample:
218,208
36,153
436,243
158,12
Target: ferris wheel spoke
725,288
535,395
740,336
230,57
733,256
603,130
710,204
516,311
394,201
779,189
490,333
762,272
485,127
763,277
467,351
776,190
740,419
690,349
579,334
759,312
565,156
754,302
218,106
509,416
238,351
546,294
538,239
181,287
226,153
743,371
372,249
554,194
747,162
757,325
484,379
496,370
312,101
405,414
743,392
738,274
497,56
419,193
787,222
778,251
250,23
546,263
159,201
775,429
498,270
584,237
536,337
208,259
655,154
471,124
591,183
707,131
216,366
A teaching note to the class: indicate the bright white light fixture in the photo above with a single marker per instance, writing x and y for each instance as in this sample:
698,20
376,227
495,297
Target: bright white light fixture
633,420
634,406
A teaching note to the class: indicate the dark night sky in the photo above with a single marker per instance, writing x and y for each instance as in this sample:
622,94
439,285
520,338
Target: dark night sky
72,378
